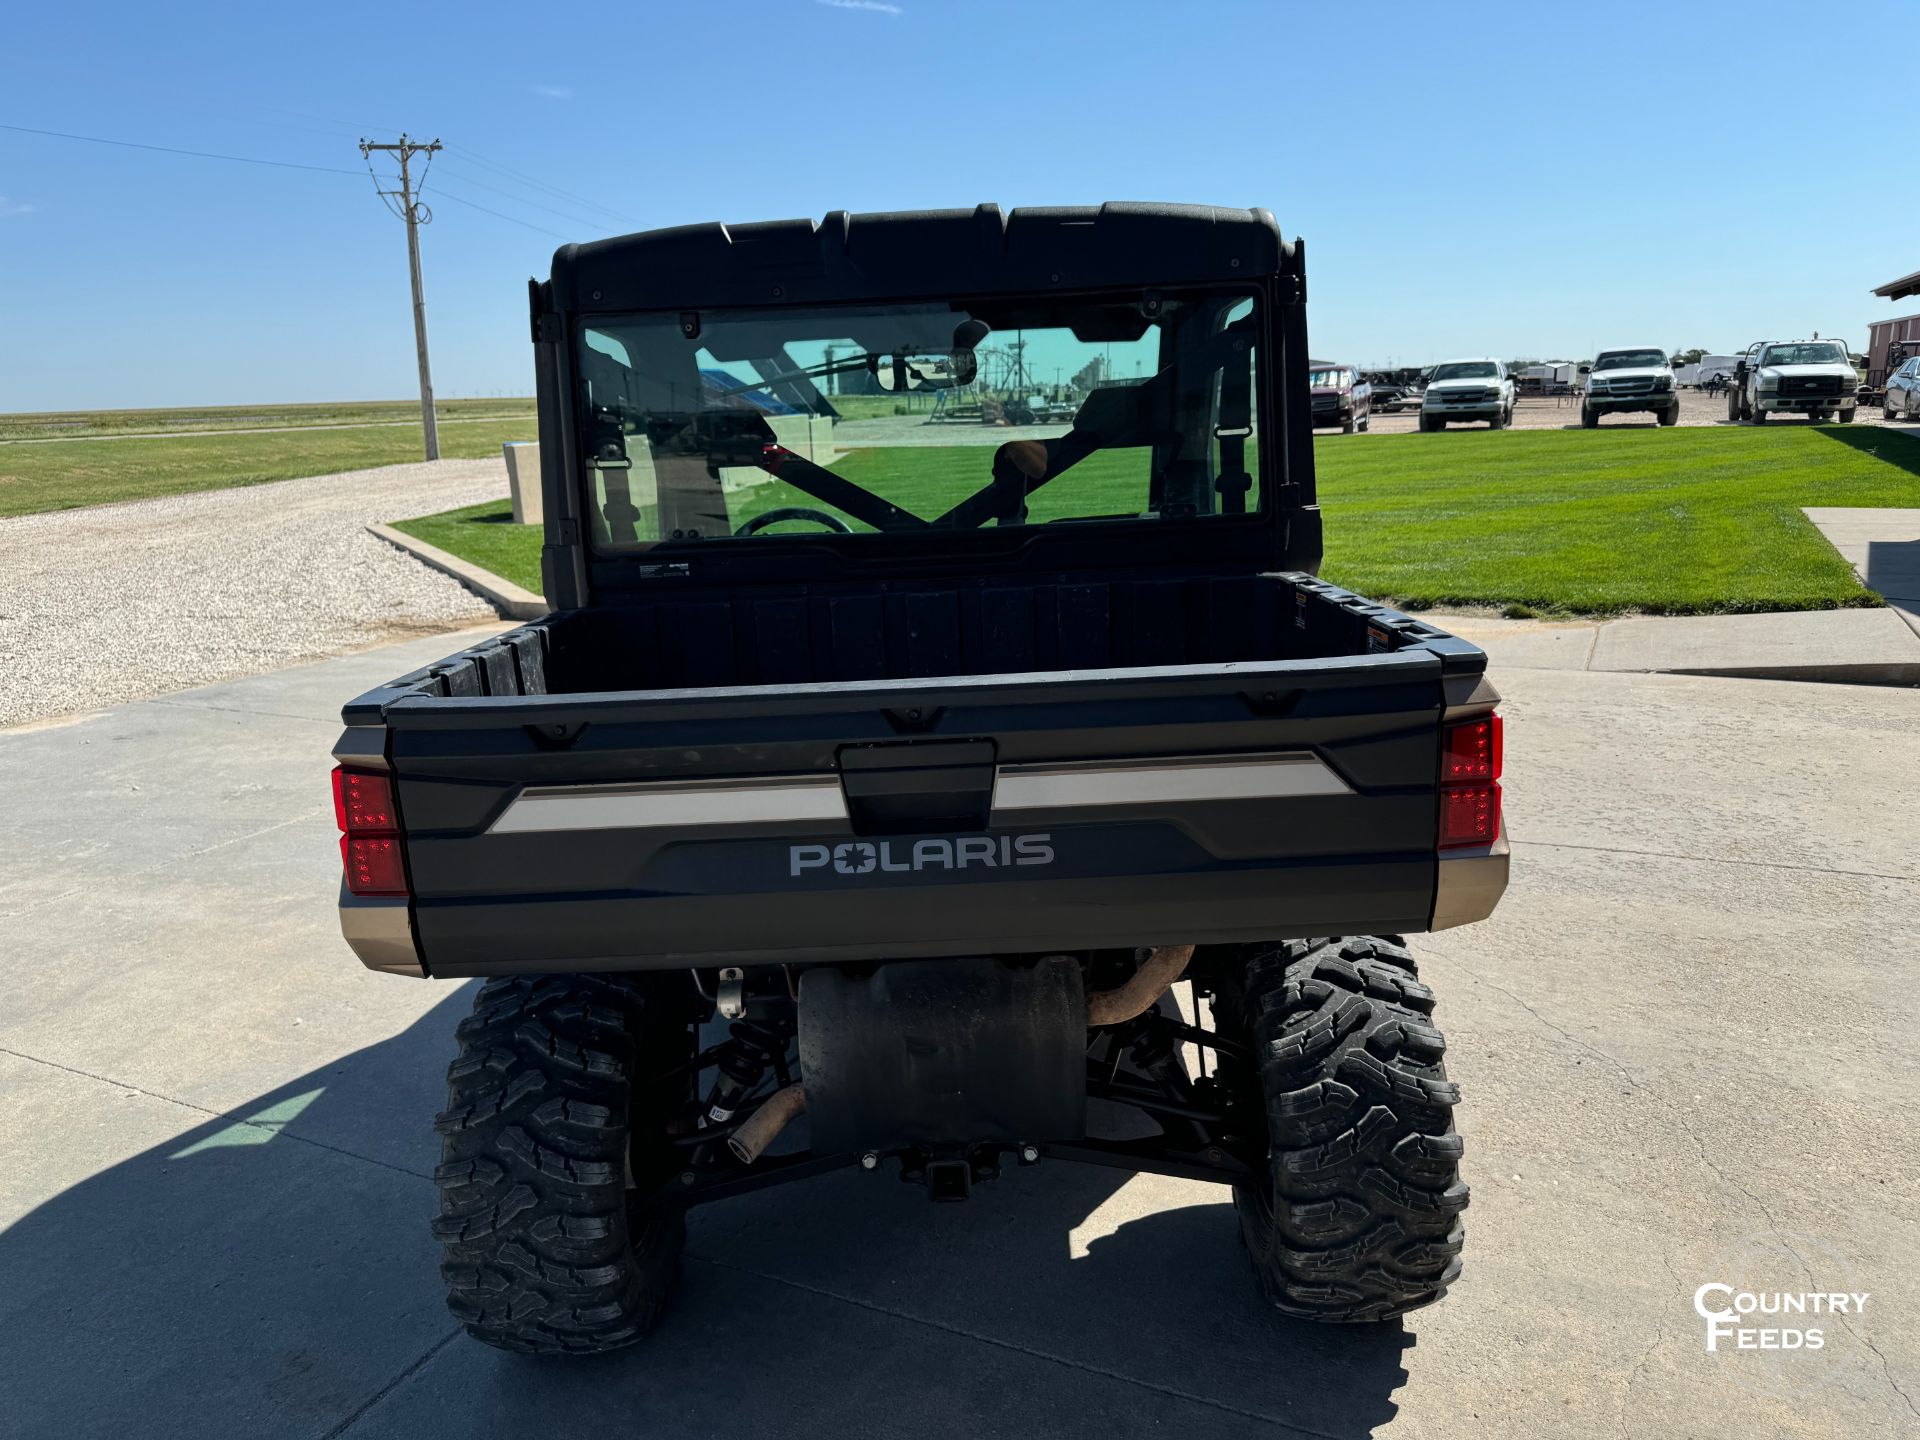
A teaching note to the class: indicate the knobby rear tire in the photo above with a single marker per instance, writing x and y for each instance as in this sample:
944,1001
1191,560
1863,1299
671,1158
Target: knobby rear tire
1358,1217
548,1247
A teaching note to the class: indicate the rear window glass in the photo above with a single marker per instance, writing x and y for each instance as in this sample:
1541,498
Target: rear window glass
734,424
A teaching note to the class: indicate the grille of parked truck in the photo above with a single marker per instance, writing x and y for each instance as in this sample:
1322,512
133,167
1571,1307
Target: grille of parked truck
920,807
1638,380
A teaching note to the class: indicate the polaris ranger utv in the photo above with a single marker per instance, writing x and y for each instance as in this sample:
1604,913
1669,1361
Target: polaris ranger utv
883,767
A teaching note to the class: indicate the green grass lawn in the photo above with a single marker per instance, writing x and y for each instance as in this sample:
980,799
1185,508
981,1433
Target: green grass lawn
71,423
1681,521
486,536
91,472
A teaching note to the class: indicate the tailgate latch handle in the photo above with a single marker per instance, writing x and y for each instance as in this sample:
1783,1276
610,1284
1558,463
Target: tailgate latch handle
914,788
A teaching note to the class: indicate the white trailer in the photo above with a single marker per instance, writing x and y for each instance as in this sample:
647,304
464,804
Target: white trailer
1704,369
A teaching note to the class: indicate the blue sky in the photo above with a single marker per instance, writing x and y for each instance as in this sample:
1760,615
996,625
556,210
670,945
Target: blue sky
1469,178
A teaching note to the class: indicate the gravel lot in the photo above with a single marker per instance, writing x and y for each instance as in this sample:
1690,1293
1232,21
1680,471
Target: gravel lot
121,602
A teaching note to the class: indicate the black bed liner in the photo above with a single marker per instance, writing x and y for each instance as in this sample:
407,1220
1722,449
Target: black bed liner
811,638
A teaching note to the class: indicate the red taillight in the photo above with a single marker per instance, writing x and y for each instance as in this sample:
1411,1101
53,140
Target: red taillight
1469,815
369,832
1470,783
373,864
1473,751
362,802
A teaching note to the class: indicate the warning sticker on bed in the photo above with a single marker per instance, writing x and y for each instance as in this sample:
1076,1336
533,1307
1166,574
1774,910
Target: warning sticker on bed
1378,641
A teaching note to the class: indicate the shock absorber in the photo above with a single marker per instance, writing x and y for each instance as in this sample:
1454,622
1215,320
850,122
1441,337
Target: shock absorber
742,1061
1153,1049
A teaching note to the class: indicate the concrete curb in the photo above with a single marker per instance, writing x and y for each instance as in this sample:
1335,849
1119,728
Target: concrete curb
1863,646
505,596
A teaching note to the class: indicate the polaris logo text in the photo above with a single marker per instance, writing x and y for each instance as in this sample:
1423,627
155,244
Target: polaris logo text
894,857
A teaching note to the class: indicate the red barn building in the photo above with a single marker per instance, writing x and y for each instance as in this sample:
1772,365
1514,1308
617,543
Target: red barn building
1889,342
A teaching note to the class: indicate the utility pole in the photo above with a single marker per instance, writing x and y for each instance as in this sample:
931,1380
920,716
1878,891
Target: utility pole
416,215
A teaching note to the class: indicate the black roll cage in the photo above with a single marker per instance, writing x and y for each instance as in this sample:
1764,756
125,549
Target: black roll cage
1147,250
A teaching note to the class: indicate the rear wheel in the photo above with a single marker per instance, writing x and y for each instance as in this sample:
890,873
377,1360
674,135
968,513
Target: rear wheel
1357,1216
555,1143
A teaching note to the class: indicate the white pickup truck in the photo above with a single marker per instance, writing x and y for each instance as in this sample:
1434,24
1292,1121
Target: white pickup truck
1468,390
1814,378
1636,380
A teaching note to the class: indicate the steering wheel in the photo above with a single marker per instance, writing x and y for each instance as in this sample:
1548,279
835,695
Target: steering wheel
794,512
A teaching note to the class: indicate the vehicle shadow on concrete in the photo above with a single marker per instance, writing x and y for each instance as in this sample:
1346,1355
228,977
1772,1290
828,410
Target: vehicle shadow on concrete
270,1272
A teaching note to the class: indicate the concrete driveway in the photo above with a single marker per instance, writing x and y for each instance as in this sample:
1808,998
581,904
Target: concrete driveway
1690,1027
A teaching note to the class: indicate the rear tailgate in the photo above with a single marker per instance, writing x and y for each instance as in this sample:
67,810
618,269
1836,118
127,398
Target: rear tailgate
1029,812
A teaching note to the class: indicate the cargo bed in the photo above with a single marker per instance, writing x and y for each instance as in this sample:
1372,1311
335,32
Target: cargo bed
942,767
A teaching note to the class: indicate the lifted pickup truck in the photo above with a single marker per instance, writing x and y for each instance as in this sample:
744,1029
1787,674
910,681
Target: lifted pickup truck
1633,381
892,791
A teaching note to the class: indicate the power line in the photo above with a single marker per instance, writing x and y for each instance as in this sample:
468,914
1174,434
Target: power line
466,179
172,150
531,182
338,170
534,183
446,194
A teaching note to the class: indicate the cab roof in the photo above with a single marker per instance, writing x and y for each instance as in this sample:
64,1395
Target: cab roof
918,254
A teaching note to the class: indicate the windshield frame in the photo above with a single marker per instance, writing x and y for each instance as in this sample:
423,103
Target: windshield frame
1840,358
1466,370
1630,360
923,532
